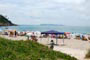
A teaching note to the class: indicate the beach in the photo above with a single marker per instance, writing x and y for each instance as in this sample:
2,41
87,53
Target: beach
45,30
73,47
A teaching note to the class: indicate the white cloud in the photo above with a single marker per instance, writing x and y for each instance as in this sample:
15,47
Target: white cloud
41,11
69,1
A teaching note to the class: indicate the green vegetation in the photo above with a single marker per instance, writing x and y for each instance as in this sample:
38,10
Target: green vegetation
28,50
3,19
88,54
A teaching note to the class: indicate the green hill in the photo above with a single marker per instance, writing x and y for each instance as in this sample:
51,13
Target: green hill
28,50
5,22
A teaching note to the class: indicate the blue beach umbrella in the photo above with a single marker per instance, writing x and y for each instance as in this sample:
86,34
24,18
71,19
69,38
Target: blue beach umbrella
53,32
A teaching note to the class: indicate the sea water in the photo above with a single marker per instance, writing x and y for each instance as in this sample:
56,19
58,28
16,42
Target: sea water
73,29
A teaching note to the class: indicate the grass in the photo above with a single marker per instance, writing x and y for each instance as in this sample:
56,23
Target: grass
28,50
88,54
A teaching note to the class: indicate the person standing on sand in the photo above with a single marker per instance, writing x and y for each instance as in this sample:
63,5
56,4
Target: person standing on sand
52,44
15,33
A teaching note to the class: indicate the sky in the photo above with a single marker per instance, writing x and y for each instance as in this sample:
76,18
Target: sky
28,12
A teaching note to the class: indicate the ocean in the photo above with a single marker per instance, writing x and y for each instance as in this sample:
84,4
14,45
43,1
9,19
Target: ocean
73,29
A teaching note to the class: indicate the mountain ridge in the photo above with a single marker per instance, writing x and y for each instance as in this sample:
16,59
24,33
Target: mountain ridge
5,22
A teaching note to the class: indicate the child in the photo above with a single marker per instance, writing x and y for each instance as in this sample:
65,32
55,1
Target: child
52,44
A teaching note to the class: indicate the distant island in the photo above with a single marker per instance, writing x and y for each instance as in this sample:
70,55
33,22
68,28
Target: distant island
51,25
5,22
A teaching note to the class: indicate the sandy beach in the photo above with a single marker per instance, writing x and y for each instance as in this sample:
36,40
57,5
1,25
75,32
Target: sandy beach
73,47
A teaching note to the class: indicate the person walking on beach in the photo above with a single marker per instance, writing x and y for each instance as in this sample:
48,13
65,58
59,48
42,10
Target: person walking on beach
52,44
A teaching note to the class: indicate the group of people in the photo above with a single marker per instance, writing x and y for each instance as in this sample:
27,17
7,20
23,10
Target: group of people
13,33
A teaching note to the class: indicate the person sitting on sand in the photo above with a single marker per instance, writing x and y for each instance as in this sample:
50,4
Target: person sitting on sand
11,34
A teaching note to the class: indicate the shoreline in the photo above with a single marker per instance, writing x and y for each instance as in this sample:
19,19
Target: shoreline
71,29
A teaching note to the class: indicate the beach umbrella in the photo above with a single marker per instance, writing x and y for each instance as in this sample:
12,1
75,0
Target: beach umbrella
67,34
37,33
29,34
53,32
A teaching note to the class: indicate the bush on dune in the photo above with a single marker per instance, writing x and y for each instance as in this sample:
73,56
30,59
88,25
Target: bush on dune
88,54
28,50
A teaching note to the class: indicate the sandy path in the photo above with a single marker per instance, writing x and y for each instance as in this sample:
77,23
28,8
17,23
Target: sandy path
14,38
73,47
79,54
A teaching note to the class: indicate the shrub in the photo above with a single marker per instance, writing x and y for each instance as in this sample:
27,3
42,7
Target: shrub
28,50
88,54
